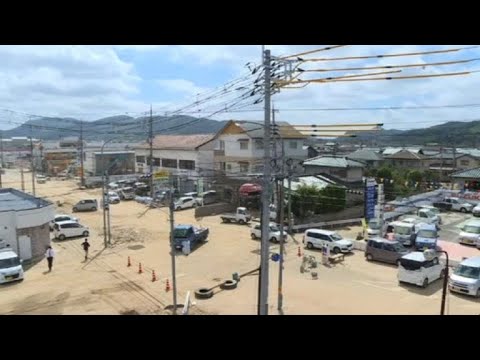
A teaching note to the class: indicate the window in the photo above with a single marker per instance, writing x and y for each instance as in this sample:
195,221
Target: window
186,164
229,167
243,167
169,163
243,144
141,159
221,144
156,161
389,247
464,162
376,244
292,144
314,235
325,237
259,144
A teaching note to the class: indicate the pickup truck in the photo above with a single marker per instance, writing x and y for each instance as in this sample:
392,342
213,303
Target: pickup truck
454,204
189,233
241,216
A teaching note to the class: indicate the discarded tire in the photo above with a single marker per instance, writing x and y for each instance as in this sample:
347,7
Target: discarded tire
229,285
203,293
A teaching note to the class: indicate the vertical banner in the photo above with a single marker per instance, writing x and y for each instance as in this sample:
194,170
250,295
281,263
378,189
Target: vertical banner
370,198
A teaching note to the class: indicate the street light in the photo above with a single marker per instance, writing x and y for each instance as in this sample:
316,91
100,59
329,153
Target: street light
429,255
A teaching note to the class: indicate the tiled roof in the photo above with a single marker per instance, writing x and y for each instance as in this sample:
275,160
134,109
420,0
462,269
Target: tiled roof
178,142
404,154
332,161
365,155
467,174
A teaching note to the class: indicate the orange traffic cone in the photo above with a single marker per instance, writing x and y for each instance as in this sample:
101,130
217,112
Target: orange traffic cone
129,263
140,268
299,252
154,278
167,286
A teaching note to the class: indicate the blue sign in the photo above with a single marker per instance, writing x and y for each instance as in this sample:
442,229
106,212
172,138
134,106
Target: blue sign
275,257
370,199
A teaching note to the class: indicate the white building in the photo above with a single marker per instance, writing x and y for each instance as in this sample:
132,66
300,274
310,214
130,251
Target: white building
179,155
239,147
24,223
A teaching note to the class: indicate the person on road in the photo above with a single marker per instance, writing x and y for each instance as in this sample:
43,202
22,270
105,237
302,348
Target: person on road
85,246
50,254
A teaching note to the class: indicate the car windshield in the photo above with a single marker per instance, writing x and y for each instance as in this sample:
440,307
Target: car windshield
429,234
402,230
472,229
8,263
429,213
374,225
468,272
336,237
180,233
435,211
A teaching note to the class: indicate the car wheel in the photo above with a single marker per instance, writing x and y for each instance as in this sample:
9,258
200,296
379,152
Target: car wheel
253,236
398,262
336,250
463,210
425,283
94,209
61,237
85,234
369,257
74,209
309,246
177,208
241,222
478,292
274,240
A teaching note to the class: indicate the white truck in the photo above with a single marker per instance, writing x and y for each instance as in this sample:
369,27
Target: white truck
241,216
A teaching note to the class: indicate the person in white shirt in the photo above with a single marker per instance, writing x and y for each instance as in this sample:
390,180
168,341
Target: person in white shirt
50,254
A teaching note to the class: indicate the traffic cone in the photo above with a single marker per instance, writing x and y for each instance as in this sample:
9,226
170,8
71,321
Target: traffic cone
129,263
140,268
299,252
167,286
154,278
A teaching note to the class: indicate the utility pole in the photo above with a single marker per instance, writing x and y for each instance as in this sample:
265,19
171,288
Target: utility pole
150,140
264,250
31,162
2,163
290,173
380,202
172,247
105,204
282,239
108,211
22,179
82,172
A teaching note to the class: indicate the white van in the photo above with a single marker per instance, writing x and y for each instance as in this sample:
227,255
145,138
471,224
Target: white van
66,229
10,266
466,277
419,270
470,234
316,238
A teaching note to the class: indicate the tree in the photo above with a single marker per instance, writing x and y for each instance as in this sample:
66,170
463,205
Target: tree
384,173
415,176
311,199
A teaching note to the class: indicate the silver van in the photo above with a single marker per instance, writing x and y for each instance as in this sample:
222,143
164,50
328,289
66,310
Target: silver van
466,277
86,205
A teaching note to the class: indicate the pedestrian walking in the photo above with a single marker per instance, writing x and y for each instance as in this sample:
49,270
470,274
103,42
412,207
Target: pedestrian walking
50,254
85,246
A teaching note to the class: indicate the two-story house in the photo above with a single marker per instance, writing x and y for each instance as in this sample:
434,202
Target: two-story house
239,149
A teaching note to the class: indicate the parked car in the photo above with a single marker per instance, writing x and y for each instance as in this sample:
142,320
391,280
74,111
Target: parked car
207,198
317,238
476,210
459,205
384,250
67,229
127,193
470,234
426,237
273,234
41,179
466,277
404,232
415,268
429,215
113,197
10,266
61,217
185,202
374,228
86,205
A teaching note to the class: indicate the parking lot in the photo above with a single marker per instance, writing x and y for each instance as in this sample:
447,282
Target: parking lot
104,284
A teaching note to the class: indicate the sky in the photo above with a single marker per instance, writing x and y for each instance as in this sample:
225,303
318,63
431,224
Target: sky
93,82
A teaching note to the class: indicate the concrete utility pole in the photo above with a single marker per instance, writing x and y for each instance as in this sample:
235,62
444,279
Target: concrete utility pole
150,140
172,247
2,163
282,240
290,173
82,171
22,179
31,162
264,250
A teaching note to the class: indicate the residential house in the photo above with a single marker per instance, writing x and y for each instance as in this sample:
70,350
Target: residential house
338,168
239,147
24,223
368,157
467,179
406,159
